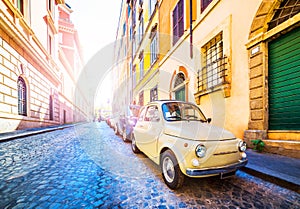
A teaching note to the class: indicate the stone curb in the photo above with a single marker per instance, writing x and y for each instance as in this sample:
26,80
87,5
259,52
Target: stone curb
12,136
273,179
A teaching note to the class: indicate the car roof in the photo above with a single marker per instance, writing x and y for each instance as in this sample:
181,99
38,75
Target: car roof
167,101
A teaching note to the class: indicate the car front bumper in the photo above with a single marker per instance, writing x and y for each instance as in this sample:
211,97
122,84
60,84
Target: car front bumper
217,170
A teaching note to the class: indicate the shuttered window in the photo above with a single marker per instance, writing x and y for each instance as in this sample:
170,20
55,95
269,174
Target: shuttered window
284,82
178,21
204,4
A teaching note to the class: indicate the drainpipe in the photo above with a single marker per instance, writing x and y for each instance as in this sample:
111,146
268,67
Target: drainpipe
191,28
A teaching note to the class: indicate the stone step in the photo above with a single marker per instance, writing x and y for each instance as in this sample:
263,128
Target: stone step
289,148
284,135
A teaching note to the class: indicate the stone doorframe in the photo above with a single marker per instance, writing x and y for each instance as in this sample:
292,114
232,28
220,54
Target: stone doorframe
258,66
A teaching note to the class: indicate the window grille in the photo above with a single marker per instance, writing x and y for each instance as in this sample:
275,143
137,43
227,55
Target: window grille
22,97
214,70
153,94
286,10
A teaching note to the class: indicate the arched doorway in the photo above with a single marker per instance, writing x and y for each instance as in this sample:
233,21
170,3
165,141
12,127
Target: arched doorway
179,87
273,51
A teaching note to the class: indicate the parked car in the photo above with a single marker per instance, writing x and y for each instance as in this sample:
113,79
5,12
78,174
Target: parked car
177,136
126,122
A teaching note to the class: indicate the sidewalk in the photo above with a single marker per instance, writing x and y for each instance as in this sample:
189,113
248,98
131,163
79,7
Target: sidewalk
30,132
281,170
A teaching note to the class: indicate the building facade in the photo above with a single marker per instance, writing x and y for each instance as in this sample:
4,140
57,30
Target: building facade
237,60
36,73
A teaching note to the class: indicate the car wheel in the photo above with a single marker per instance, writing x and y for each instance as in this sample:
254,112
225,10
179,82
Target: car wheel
130,136
171,172
134,148
124,136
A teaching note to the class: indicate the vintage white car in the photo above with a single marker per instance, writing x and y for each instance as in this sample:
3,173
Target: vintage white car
177,136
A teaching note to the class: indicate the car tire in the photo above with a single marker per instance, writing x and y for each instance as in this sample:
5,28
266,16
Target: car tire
134,148
171,172
124,136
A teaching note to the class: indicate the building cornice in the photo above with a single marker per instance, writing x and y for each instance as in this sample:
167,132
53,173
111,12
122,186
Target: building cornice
26,42
66,29
50,22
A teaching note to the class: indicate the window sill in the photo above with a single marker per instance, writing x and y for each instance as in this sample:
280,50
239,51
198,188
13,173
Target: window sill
221,87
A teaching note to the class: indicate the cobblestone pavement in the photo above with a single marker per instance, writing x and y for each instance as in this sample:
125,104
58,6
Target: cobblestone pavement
87,166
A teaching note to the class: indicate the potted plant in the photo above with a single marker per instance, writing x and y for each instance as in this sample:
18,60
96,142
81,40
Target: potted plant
258,144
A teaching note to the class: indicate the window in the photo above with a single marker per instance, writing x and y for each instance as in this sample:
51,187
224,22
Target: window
204,4
134,76
133,44
51,108
128,10
152,4
20,6
152,114
287,10
153,94
178,21
50,5
134,16
50,45
141,66
141,28
22,97
141,98
124,29
214,69
153,49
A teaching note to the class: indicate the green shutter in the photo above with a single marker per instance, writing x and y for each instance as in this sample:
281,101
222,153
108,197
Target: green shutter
284,82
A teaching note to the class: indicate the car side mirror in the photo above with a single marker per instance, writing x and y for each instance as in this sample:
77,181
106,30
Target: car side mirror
208,120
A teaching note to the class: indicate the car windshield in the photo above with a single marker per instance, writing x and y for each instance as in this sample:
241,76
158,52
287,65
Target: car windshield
177,111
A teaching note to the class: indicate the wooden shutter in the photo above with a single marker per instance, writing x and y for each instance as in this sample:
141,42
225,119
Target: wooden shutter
284,82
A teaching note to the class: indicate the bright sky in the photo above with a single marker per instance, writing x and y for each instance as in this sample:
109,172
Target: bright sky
96,22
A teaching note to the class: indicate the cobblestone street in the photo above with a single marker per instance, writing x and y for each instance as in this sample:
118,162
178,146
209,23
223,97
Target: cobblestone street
87,166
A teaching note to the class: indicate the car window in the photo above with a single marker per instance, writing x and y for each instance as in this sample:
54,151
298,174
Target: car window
152,114
175,111
142,113
171,111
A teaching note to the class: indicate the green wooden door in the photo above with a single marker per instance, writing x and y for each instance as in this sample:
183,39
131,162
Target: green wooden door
284,82
180,94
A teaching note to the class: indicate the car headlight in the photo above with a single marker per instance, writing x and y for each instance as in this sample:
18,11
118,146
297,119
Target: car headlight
242,146
200,150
